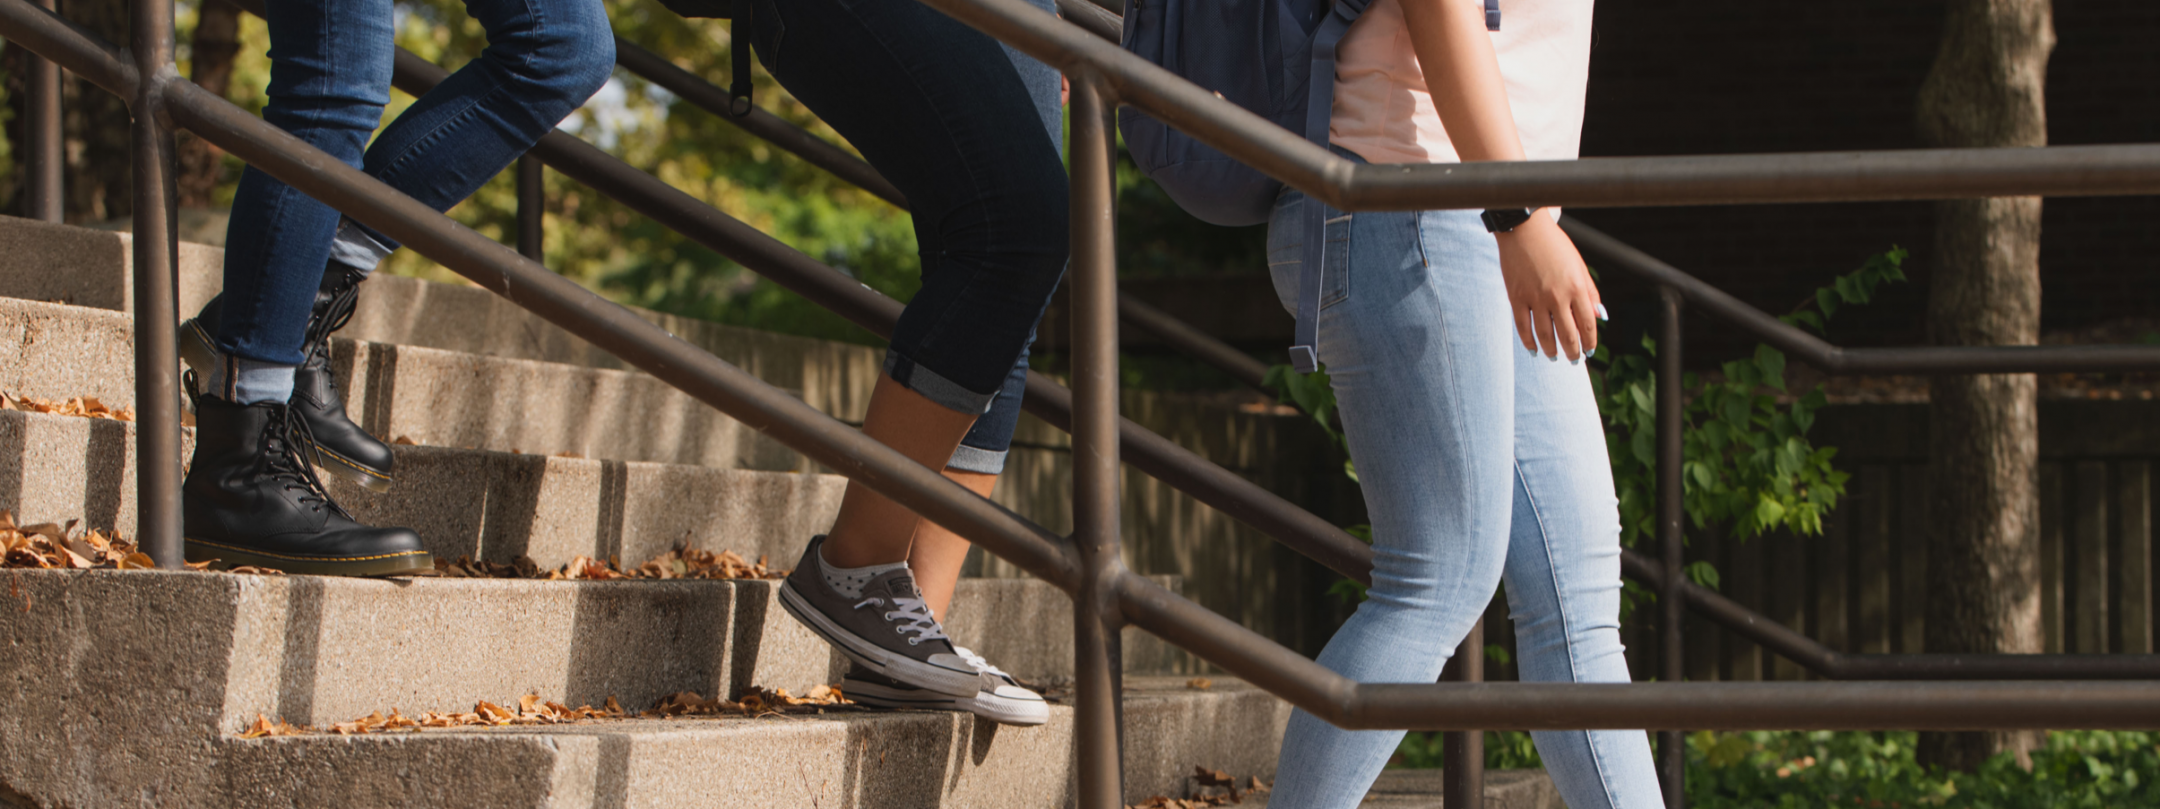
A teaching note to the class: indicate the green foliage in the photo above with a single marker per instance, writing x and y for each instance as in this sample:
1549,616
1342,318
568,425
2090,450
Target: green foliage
1747,464
1504,750
1789,770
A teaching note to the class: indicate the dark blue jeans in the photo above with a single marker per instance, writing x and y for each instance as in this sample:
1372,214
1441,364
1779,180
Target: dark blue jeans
330,65
968,132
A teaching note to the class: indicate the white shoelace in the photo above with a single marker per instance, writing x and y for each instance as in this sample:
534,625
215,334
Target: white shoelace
979,663
911,615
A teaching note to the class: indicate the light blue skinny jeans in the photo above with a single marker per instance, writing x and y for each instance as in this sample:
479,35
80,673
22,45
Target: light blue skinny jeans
1481,462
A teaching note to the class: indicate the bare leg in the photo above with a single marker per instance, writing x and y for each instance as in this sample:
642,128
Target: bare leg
872,530
938,553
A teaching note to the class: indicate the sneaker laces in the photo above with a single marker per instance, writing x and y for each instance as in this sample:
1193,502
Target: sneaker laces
283,437
912,615
980,664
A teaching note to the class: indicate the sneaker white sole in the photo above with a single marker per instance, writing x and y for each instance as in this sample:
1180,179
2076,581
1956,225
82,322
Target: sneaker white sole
948,682
1002,710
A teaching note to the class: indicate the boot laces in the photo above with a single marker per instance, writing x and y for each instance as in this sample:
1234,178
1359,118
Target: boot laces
335,314
285,437
909,615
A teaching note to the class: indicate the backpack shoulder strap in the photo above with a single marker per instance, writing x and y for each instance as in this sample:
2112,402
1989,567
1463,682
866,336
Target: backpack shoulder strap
1312,220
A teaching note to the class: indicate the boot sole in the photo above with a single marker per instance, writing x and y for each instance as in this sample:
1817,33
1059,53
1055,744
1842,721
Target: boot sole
928,676
351,471
405,563
200,354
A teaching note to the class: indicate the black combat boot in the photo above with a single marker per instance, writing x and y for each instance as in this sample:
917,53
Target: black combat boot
341,447
249,499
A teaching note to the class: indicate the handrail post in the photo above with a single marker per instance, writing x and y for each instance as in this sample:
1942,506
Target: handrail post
157,388
531,208
42,160
1463,782
1672,754
1098,741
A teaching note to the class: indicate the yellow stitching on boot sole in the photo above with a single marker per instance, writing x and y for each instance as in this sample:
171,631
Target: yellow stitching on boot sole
309,558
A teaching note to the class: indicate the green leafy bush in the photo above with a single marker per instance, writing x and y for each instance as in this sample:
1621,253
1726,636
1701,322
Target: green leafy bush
1789,770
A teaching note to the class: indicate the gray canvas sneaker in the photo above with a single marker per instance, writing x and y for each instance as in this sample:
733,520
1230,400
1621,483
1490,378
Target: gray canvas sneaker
889,630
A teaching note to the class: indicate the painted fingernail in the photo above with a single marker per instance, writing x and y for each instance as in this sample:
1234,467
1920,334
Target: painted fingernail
1601,313
1575,361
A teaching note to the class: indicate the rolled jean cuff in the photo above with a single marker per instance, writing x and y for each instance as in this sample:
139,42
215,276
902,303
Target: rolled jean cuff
355,247
978,461
936,388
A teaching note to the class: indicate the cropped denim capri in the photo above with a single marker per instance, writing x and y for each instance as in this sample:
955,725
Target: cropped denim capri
967,130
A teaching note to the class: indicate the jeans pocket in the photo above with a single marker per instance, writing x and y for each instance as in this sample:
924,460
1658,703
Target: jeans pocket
1286,248
1284,241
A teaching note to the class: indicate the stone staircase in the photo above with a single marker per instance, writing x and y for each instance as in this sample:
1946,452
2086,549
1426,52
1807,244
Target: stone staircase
132,688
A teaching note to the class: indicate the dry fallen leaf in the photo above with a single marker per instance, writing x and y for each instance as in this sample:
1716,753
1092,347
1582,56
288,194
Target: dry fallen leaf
692,563
80,406
63,546
1200,683
264,727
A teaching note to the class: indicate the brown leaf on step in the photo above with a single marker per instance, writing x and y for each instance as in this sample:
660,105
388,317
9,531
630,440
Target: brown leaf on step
88,407
1199,683
690,563
251,570
1212,778
405,440
1209,788
202,565
263,727
61,546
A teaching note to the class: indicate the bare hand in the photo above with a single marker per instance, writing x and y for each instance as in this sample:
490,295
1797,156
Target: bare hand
1554,301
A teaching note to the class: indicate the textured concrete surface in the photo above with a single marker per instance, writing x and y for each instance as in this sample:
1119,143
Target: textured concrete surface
1423,789
454,399
56,351
86,267
838,759
487,505
112,684
59,468
129,688
317,650
499,506
41,261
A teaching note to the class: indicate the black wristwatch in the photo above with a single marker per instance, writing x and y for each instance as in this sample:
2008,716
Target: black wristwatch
1504,220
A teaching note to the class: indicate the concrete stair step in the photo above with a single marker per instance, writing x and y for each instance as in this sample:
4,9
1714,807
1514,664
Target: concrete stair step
431,396
53,263
492,506
1424,789
861,759
109,671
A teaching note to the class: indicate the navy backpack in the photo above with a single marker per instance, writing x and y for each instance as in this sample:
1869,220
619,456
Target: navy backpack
1275,58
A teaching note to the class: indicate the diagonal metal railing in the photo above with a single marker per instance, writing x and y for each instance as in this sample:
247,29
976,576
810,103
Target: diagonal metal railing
1106,594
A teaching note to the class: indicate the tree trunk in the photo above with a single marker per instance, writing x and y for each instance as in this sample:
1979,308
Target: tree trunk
1986,88
216,41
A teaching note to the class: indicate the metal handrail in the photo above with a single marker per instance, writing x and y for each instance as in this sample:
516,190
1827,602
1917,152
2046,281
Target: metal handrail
1106,595
1604,182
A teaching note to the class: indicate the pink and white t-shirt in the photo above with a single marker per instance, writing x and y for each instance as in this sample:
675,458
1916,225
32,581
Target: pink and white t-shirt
1383,112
